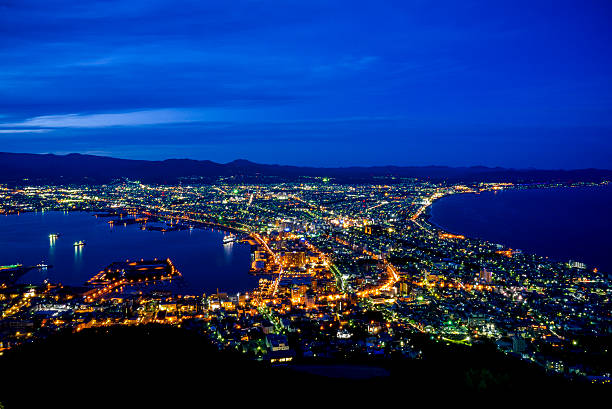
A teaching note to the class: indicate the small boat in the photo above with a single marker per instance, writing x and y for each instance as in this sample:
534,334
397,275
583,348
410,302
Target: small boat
79,243
229,239
54,235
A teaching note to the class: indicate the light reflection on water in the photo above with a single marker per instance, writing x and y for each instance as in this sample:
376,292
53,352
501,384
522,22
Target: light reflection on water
228,251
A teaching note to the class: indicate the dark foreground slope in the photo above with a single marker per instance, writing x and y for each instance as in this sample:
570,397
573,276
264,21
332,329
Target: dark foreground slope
156,366
77,168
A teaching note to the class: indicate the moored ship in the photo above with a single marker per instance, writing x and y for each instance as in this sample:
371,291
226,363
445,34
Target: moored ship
229,239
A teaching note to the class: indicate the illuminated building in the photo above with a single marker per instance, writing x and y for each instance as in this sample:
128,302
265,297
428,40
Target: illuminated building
486,276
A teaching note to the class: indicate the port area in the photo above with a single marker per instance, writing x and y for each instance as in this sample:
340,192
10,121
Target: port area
147,223
120,274
127,221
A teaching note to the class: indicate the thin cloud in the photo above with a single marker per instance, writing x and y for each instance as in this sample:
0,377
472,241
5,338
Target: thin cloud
11,131
102,120
153,117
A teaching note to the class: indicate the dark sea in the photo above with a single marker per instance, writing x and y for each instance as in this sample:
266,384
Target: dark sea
560,223
199,254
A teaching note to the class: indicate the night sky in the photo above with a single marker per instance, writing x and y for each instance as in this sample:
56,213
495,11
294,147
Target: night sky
322,83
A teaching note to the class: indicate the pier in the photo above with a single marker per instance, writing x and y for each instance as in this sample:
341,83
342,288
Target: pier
122,273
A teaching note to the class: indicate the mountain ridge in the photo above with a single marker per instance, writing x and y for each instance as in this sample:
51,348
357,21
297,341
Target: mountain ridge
76,167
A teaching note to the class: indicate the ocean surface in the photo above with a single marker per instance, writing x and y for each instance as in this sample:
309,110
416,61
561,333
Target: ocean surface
199,254
560,223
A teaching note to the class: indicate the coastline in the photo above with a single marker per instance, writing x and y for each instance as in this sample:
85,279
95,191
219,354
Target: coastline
428,217
195,223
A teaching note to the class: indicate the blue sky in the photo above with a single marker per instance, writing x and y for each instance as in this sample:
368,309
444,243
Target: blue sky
322,83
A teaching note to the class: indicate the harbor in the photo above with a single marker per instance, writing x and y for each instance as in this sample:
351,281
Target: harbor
205,262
